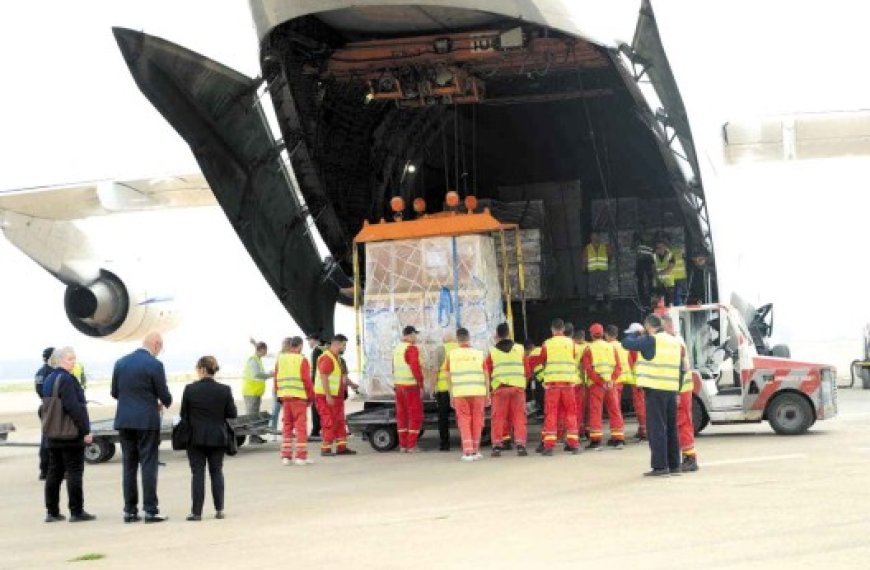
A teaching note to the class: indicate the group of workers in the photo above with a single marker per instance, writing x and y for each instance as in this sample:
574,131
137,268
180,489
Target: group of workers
660,271
578,380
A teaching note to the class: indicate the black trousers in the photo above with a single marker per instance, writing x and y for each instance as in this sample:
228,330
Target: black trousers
539,397
198,456
139,448
644,271
43,457
443,401
661,428
69,460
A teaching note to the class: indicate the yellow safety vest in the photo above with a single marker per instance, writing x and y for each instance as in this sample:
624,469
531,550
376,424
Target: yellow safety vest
79,372
579,351
538,370
666,280
663,371
596,260
679,271
442,371
561,365
507,367
334,376
626,375
251,385
603,359
402,375
466,372
289,376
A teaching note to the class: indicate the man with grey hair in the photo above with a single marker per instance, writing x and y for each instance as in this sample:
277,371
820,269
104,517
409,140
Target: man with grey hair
139,385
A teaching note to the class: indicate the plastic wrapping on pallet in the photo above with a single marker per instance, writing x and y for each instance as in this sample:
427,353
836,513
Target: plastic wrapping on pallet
415,282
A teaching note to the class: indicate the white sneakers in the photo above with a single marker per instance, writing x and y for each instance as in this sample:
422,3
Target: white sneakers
287,461
473,457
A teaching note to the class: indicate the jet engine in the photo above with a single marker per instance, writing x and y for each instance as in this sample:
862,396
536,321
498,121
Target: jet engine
111,309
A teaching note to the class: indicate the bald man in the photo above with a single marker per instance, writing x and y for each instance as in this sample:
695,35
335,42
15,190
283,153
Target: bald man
139,385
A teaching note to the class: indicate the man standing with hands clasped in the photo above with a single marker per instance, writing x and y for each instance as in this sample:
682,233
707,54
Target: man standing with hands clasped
139,385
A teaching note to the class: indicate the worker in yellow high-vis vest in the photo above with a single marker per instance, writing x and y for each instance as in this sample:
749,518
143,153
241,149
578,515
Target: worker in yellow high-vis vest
679,275
536,379
603,368
560,376
254,378
295,392
78,373
468,383
596,263
664,263
627,377
581,388
329,397
408,387
659,371
442,391
508,369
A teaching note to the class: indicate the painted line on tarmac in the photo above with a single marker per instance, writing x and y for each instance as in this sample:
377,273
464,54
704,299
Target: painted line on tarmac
754,459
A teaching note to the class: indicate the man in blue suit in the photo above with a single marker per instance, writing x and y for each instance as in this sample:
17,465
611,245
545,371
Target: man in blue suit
139,385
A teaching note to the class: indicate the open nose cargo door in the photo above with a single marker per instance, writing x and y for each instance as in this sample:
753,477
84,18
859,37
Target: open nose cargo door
216,110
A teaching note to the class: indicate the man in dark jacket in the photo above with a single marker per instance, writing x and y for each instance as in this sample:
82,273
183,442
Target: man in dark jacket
38,380
139,385
317,347
67,456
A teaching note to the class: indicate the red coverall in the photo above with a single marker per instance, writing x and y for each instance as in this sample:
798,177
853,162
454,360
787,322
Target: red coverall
600,396
637,398
295,418
409,403
332,424
469,417
508,409
685,426
559,406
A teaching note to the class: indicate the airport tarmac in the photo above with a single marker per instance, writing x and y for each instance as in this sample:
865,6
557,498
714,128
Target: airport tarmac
759,501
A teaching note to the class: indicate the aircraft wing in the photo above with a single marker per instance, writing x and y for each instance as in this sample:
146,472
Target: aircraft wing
102,197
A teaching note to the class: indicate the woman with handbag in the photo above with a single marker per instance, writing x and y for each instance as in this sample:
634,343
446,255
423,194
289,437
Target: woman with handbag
205,407
67,429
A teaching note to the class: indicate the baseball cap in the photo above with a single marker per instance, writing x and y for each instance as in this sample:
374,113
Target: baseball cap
409,330
597,329
634,328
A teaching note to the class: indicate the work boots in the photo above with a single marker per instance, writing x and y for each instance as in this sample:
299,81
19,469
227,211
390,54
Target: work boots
594,445
616,443
540,448
521,451
640,435
496,452
690,464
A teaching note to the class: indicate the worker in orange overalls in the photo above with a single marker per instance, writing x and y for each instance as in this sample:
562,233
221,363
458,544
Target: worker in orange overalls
508,369
469,393
581,387
685,425
629,379
603,367
295,391
560,375
329,397
408,385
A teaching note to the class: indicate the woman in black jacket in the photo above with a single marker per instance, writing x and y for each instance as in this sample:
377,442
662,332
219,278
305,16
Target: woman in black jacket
67,455
205,406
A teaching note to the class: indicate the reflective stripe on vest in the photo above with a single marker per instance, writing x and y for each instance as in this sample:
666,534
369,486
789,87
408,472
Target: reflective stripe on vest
603,359
679,272
334,376
289,376
538,370
508,367
442,372
661,265
596,260
466,372
251,385
402,375
561,365
626,376
663,371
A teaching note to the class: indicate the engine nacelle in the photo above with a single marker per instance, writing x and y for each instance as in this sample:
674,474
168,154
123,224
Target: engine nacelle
109,309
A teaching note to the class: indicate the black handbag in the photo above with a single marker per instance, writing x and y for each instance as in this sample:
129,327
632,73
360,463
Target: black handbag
181,435
232,443
56,423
